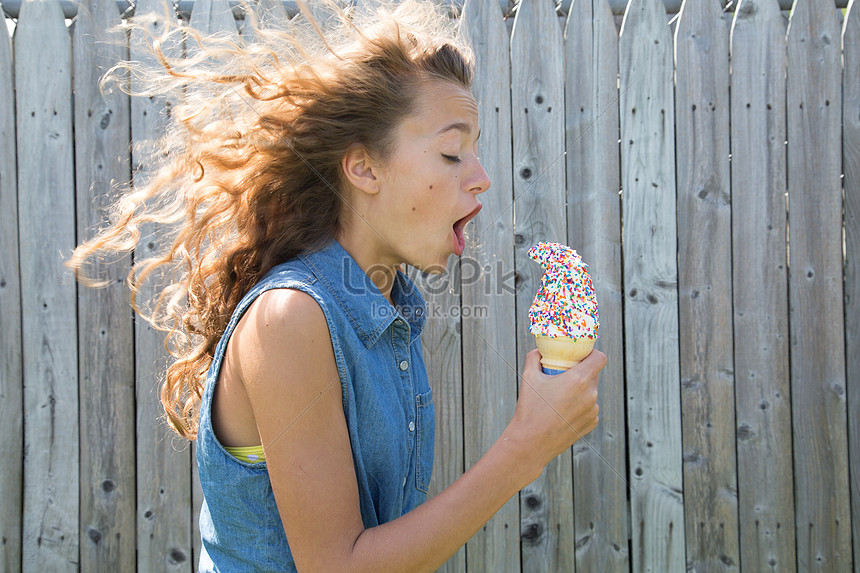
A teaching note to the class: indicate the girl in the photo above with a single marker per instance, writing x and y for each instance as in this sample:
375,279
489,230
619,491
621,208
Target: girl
299,177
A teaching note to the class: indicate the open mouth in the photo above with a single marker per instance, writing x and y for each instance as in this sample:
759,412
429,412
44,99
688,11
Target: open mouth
459,226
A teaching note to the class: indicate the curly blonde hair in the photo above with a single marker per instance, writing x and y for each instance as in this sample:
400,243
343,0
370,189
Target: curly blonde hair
248,173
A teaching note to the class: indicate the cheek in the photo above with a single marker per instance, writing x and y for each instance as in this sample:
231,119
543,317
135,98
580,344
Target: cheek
428,197
424,211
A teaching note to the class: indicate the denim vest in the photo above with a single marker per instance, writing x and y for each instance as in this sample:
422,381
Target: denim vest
387,402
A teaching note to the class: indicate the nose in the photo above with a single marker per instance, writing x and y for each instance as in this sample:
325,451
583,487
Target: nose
480,181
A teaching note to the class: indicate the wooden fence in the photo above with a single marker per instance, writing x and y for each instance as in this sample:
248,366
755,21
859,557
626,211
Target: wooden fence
705,164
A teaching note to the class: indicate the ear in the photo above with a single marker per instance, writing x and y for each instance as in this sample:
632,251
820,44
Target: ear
360,169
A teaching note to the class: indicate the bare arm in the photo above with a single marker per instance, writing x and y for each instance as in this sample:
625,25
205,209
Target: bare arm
290,374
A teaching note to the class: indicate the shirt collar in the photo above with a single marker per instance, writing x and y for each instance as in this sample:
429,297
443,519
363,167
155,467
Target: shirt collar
369,312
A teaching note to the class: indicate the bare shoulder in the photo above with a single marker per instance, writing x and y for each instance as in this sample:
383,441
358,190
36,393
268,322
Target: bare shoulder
286,309
284,348
280,320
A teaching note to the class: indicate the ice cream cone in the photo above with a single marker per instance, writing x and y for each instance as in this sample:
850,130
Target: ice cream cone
563,316
559,354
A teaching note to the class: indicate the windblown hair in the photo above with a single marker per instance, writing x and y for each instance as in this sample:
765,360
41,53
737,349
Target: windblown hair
248,173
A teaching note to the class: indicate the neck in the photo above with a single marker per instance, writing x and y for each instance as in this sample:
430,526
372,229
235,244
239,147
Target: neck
382,273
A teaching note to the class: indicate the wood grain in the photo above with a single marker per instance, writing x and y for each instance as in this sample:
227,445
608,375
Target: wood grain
760,288
651,288
815,289
537,101
164,510
594,230
46,202
705,286
11,379
851,183
105,327
489,332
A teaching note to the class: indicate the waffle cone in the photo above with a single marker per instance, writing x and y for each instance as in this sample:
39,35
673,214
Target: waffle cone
562,353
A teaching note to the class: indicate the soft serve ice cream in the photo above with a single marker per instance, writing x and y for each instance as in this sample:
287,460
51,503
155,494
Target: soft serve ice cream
563,316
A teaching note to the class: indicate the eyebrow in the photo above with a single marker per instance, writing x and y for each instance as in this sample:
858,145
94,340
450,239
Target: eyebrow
459,126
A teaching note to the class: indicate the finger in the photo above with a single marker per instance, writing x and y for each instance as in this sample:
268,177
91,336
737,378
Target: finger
596,360
532,361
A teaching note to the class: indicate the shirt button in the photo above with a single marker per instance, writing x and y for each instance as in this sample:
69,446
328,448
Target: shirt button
404,365
411,426
404,482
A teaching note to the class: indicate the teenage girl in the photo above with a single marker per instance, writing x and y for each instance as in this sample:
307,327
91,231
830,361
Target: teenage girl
297,178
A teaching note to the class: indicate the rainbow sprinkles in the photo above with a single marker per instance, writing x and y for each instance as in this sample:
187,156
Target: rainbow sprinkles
565,305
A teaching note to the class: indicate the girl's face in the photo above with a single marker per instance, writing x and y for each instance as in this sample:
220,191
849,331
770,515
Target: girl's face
428,187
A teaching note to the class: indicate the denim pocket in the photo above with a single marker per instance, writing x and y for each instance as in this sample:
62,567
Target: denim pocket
426,428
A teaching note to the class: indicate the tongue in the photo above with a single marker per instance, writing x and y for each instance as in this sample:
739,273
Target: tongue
458,234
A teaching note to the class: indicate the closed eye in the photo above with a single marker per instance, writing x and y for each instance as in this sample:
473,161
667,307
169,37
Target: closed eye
452,158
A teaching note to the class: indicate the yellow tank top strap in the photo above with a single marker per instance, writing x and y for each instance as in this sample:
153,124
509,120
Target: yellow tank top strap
247,454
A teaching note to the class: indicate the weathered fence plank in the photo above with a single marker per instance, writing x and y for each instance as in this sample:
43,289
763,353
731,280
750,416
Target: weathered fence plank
818,383
441,344
212,16
650,286
11,381
537,101
269,15
594,230
760,288
851,183
46,196
105,327
705,286
164,512
489,334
